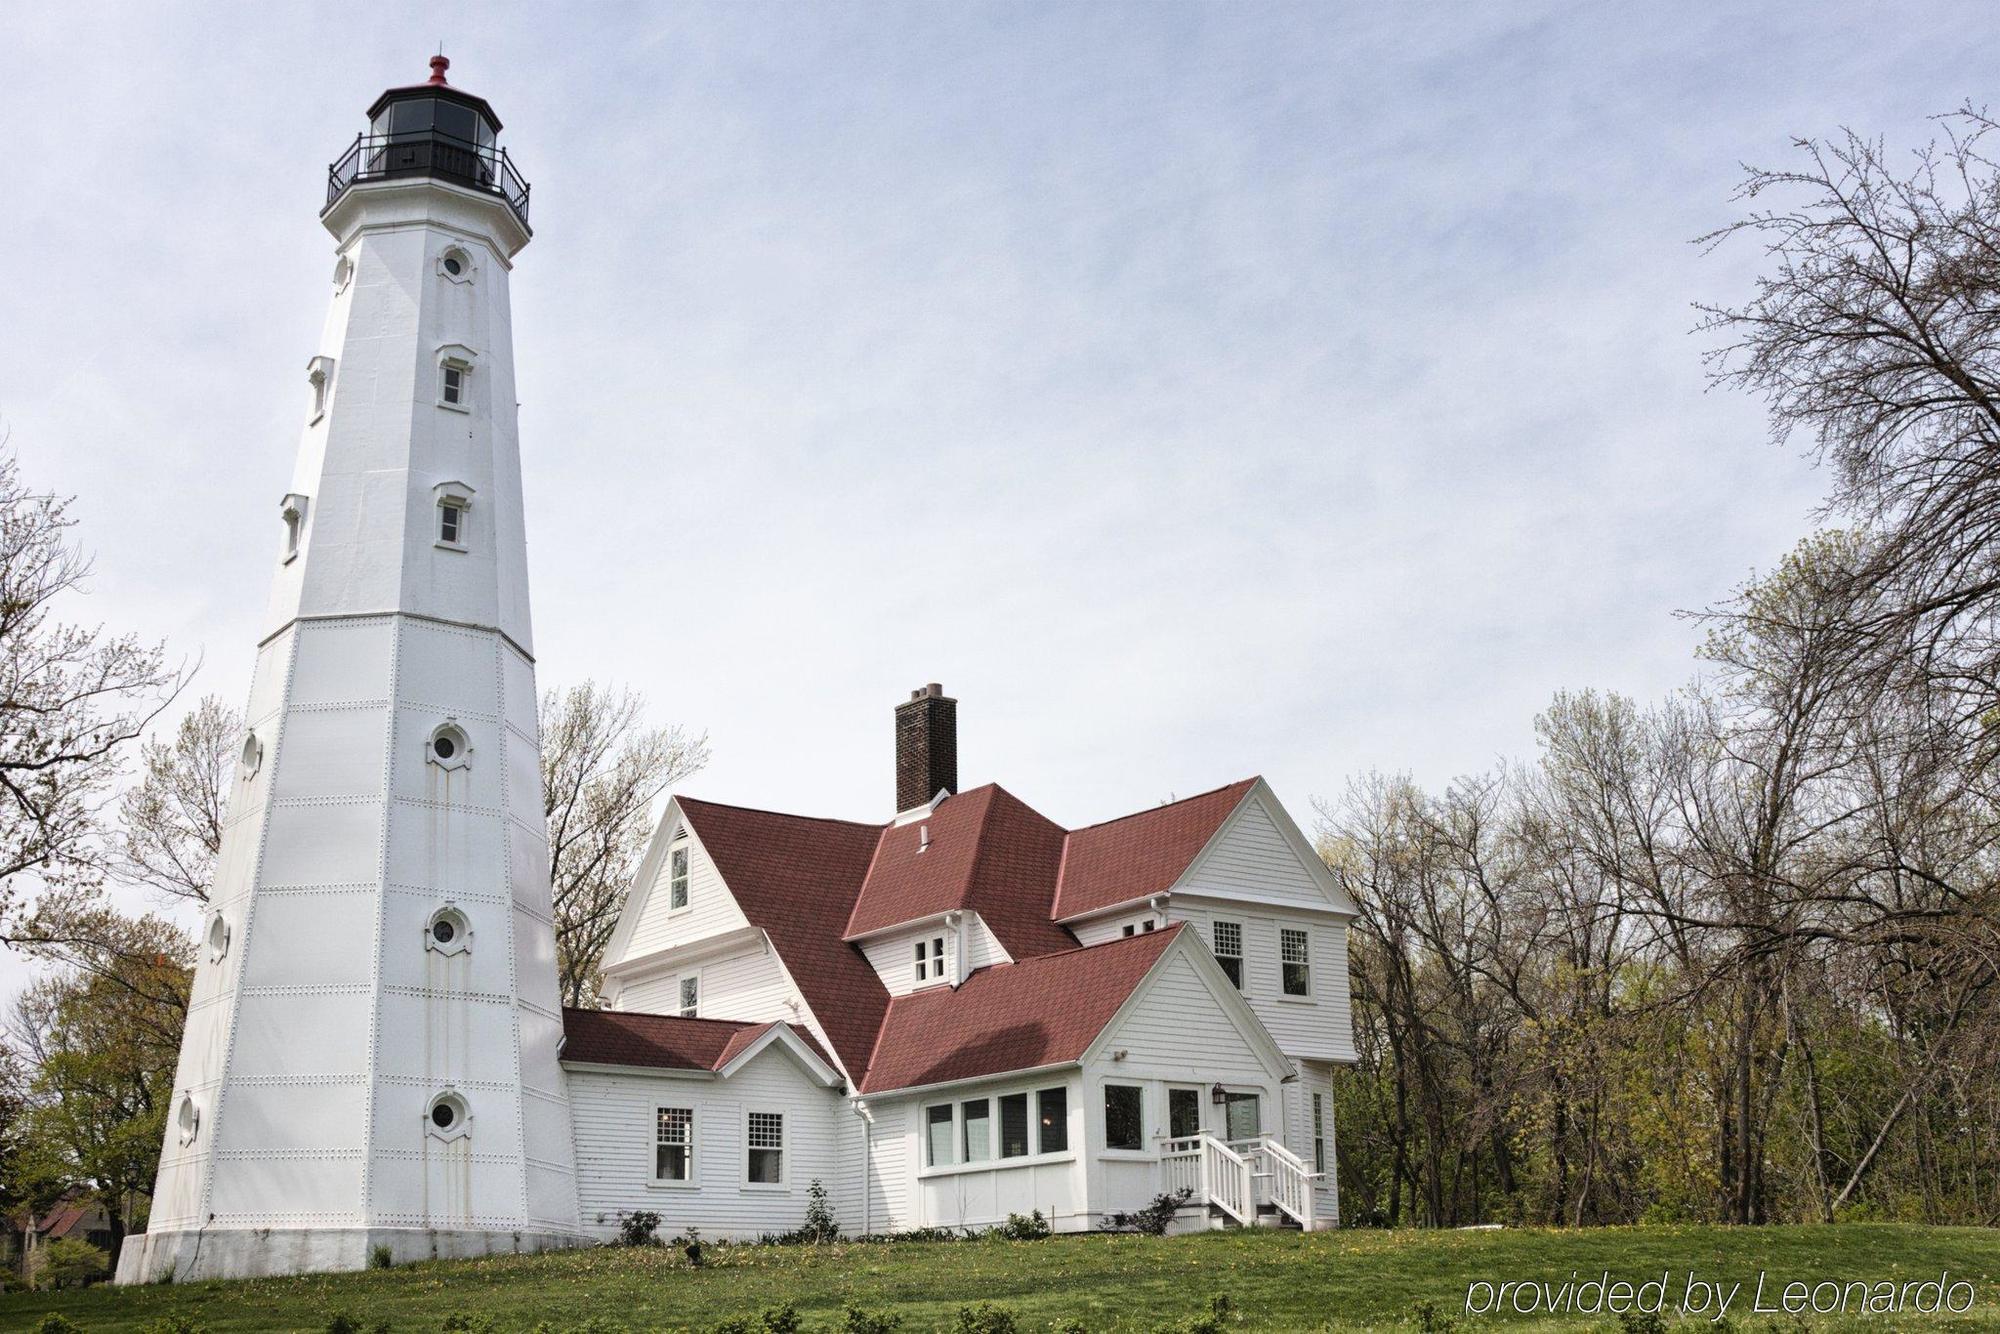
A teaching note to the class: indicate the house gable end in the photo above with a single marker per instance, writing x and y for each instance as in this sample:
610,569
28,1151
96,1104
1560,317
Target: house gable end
1260,854
1184,1011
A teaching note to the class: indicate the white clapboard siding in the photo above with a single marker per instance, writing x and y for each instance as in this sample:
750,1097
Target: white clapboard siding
1251,856
1178,1030
893,955
1100,929
615,1116
710,911
1320,1027
750,985
891,1153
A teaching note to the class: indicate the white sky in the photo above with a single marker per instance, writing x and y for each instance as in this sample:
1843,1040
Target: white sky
1195,390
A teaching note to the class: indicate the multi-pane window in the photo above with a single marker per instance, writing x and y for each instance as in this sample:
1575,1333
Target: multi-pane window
452,388
677,877
1295,961
766,1166
1229,951
1124,1121
1052,1110
1183,1113
930,959
1014,1126
978,1136
937,1135
673,1151
690,996
451,523
1319,1132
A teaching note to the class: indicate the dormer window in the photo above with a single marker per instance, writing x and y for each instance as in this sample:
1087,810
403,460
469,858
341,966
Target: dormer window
319,375
454,503
455,377
930,959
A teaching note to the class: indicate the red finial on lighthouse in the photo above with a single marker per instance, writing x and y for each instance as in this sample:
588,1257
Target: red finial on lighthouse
438,66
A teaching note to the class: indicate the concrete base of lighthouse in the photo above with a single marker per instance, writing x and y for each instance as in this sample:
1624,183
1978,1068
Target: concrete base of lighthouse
179,1256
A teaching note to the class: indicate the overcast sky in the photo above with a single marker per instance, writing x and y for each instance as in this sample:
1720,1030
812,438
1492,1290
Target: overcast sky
1194,390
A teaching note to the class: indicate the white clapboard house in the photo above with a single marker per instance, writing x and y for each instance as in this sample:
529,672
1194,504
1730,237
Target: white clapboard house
966,1012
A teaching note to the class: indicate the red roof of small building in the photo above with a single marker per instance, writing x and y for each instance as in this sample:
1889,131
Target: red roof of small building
662,1041
1018,1016
1129,858
796,879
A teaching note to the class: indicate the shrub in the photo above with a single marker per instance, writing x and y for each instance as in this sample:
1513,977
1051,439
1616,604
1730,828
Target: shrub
380,1256
637,1228
774,1320
1023,1227
859,1321
343,1323
1641,1322
175,1324
1433,1321
70,1263
915,1234
597,1324
985,1318
1154,1219
56,1323
820,1226
1220,1312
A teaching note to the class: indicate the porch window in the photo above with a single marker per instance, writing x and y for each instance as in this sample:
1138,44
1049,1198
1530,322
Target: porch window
1319,1132
1052,1110
673,1151
1295,957
937,1135
1183,1113
1241,1116
690,996
978,1131
1229,951
677,877
766,1138
1014,1125
1124,1121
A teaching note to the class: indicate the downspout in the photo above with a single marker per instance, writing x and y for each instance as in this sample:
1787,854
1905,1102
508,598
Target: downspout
956,921
867,1160
1158,904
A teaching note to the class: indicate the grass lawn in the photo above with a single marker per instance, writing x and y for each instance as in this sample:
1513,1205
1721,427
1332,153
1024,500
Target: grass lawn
1277,1280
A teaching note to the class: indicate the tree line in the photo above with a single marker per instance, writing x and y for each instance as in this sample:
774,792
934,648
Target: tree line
1731,955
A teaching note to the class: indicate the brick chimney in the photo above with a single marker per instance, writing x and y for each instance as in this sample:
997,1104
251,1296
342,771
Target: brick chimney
926,746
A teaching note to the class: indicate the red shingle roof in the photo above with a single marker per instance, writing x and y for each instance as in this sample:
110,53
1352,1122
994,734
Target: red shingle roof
1038,1012
1129,858
796,879
662,1041
988,852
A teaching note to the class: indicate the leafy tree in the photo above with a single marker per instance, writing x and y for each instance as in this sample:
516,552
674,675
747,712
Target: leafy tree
69,1263
170,824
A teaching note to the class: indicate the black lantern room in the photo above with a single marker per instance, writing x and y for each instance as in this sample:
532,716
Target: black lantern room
432,130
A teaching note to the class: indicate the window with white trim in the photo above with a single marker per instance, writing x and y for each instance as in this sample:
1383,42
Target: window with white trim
938,1136
1319,1132
1014,1125
1229,950
1052,1112
453,378
930,959
677,877
673,1144
451,523
766,1140
1124,1117
977,1140
690,996
1295,961
293,510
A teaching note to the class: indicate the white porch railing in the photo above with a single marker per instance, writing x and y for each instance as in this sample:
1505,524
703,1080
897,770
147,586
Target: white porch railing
1282,1177
1212,1173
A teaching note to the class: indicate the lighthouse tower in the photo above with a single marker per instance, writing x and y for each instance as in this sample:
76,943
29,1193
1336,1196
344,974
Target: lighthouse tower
371,1047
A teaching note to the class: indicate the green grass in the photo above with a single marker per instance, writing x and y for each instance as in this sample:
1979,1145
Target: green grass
1277,1280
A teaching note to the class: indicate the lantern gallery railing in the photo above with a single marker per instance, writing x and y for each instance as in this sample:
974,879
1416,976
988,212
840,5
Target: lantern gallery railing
375,157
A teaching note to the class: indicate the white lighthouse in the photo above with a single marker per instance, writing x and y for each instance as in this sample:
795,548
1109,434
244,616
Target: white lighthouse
371,1048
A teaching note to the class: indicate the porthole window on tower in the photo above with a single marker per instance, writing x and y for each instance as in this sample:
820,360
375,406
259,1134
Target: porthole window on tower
448,748
251,758
217,937
447,1117
448,932
187,1119
456,265
343,273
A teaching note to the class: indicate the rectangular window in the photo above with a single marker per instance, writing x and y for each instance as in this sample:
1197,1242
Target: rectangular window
1014,1126
767,1149
451,523
677,877
1242,1117
454,385
930,959
1183,1113
1295,958
1229,951
690,996
1319,1132
937,1135
1052,1110
1131,930
923,962
1149,924
673,1152
1124,1121
978,1131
